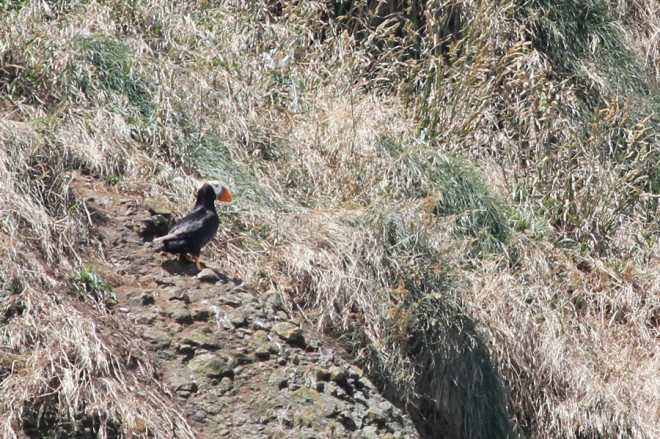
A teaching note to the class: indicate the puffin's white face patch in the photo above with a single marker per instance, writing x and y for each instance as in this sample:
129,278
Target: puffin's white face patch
217,187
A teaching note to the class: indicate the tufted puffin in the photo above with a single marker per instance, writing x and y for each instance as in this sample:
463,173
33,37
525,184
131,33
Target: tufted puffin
196,229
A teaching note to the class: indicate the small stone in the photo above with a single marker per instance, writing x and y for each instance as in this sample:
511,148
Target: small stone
238,319
365,383
387,408
260,324
201,314
202,340
290,333
208,275
173,328
185,387
262,353
332,390
160,280
214,408
181,315
355,372
199,415
273,348
338,375
260,337
323,375
376,416
140,299
177,293
186,350
147,318
211,366
369,432
157,339
274,300
313,345
279,380
347,420
234,302
157,207
226,384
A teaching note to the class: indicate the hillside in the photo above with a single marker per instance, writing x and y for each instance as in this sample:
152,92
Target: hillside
455,200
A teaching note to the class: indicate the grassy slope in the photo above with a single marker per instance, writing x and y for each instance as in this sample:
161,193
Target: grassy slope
463,192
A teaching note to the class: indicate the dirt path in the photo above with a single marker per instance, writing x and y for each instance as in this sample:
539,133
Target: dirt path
235,362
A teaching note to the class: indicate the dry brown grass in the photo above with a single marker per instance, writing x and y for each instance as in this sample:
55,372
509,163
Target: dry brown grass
641,25
342,138
75,367
559,322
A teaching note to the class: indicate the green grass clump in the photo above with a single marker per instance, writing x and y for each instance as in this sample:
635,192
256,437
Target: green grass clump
105,72
89,283
476,212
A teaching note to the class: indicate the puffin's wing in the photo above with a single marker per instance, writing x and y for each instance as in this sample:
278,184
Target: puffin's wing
189,226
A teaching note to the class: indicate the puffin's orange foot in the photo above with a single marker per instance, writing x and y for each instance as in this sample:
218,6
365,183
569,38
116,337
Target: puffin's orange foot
200,265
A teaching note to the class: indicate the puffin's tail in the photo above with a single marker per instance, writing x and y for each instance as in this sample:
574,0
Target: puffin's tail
160,244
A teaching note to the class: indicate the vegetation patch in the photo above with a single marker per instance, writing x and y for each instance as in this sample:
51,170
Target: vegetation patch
87,283
105,71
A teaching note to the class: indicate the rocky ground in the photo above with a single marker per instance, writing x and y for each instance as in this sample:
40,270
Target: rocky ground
235,361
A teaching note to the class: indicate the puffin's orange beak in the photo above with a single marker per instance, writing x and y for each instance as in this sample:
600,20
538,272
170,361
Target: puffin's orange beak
224,196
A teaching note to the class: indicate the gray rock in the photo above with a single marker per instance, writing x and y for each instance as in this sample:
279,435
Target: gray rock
274,300
202,339
226,384
346,419
185,386
237,318
214,408
279,379
210,366
375,415
232,301
199,416
157,207
339,375
157,339
147,318
273,348
290,333
323,375
201,314
165,281
355,372
365,383
260,337
260,324
176,294
208,275
264,349
181,315
140,299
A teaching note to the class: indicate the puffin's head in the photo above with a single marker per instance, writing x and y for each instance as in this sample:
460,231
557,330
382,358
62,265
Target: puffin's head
221,193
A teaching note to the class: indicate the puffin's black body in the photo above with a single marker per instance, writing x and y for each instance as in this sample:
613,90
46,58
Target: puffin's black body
195,230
